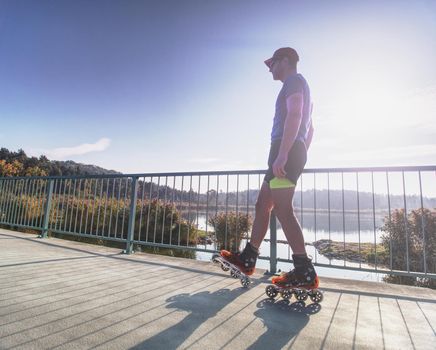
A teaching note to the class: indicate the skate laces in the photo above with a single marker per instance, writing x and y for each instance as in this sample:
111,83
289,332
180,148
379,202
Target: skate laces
285,277
248,256
296,276
235,257
245,259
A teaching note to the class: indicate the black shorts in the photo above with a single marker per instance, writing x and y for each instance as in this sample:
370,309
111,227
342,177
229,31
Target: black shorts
297,158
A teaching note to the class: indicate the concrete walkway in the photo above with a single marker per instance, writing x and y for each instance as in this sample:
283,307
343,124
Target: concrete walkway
57,294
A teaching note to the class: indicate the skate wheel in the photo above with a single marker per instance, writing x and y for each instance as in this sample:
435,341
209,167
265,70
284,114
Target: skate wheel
286,294
215,258
245,282
316,296
234,274
225,267
301,295
271,291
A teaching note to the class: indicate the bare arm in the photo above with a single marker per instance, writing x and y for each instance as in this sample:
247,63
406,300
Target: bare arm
309,137
310,134
294,105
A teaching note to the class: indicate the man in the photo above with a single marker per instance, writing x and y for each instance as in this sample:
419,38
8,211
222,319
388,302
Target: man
290,138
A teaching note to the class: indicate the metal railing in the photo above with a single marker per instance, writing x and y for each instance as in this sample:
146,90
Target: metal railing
367,219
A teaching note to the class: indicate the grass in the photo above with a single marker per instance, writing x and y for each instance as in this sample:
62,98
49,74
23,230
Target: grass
353,252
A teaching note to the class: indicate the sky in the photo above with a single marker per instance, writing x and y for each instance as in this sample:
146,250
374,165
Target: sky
162,86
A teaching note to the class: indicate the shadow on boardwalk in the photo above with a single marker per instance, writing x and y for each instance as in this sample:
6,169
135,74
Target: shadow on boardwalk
282,320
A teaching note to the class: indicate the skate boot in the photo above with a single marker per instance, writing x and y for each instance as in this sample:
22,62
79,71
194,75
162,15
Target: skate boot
302,281
241,264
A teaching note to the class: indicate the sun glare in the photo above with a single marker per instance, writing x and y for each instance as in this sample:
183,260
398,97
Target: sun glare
370,111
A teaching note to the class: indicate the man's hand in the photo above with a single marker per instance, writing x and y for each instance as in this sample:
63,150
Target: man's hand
279,166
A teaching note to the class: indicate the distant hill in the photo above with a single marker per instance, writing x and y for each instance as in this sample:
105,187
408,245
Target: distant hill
324,200
19,164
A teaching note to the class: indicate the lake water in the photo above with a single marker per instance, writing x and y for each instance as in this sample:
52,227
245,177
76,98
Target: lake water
350,229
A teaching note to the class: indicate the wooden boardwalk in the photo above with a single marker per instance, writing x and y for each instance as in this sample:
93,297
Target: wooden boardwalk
58,294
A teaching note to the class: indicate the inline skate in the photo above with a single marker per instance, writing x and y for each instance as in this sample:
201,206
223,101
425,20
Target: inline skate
240,264
302,282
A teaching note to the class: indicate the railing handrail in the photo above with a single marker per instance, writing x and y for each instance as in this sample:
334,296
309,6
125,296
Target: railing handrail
110,191
232,172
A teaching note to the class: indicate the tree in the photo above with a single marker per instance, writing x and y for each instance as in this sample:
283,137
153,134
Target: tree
35,171
14,168
2,167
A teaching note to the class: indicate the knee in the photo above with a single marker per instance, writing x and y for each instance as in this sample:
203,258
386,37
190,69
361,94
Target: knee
284,210
263,206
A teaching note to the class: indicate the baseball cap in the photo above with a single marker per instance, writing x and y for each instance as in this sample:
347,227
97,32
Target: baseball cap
283,52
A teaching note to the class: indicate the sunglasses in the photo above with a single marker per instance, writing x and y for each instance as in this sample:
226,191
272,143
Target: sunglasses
274,61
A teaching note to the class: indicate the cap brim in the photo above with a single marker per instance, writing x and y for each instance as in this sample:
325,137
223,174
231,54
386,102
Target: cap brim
268,62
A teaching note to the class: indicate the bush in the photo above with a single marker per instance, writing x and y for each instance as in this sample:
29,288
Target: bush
402,230
155,221
230,228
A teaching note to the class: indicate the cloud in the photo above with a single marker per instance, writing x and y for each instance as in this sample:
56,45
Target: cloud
63,153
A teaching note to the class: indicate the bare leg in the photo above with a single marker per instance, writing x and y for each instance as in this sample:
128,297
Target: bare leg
283,208
264,206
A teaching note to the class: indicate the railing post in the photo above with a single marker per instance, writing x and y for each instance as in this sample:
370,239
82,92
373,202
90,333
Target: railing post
47,209
131,227
273,243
